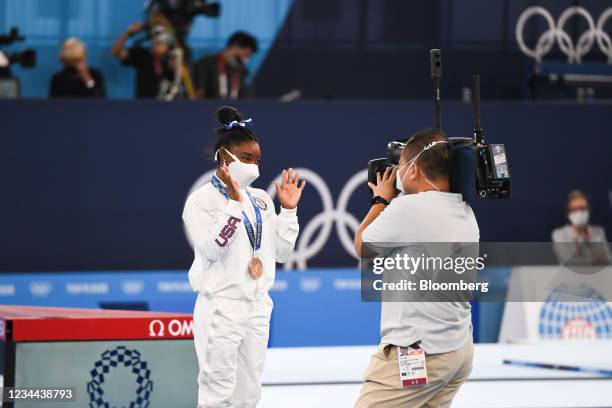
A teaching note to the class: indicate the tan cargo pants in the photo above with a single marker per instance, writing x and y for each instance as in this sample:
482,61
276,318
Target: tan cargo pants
446,372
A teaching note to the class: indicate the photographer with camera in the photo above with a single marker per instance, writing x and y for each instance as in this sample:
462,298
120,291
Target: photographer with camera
77,78
180,14
9,85
154,65
437,334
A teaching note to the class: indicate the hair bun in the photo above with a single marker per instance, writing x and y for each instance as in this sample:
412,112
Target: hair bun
227,114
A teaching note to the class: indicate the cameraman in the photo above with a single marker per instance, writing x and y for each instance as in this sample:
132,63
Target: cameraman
426,212
153,65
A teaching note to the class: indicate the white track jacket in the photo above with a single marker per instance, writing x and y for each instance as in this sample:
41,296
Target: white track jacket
221,244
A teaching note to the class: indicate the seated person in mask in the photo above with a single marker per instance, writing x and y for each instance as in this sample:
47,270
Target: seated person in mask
76,79
579,242
223,75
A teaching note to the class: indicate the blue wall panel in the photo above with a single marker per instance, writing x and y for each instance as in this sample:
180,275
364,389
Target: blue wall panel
100,185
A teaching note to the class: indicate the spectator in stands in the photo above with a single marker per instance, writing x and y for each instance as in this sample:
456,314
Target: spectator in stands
76,79
154,67
579,242
223,75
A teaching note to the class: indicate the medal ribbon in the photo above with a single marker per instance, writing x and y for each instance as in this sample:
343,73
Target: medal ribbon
254,235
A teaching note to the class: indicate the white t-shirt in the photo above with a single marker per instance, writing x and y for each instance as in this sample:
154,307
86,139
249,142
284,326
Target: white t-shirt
422,218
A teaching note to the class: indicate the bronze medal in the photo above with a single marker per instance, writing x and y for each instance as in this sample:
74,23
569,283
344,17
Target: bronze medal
256,268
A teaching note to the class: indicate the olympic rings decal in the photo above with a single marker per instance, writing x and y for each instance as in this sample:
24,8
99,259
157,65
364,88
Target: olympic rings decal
120,357
345,223
556,34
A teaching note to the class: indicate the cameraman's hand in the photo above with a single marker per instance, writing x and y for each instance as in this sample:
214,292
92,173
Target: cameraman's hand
385,184
134,28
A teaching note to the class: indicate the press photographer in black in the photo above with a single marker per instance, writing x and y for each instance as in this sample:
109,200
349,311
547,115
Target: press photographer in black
154,65
441,332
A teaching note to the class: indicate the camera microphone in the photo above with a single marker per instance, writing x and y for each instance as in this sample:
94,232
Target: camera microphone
435,61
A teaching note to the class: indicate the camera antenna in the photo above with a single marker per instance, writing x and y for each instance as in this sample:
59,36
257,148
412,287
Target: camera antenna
478,137
435,58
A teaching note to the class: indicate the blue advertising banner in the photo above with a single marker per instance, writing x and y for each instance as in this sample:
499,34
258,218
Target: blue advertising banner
300,300
320,307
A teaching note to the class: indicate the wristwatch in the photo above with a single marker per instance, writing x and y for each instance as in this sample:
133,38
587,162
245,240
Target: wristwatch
378,200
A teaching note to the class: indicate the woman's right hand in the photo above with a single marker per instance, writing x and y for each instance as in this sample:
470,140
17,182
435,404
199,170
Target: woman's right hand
230,184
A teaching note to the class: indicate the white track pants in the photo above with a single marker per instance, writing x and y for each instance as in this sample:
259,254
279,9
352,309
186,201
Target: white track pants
231,337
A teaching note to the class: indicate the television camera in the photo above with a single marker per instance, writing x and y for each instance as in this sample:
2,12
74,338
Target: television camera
479,169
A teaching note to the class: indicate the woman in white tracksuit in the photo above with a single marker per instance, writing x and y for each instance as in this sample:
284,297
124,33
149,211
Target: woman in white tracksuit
237,238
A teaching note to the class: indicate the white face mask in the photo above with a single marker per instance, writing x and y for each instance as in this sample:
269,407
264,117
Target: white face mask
243,173
399,180
579,218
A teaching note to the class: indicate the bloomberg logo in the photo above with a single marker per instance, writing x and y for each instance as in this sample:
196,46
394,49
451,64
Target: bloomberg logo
172,328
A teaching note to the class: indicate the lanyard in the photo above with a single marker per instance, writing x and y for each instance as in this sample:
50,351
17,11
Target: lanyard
254,236
234,80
